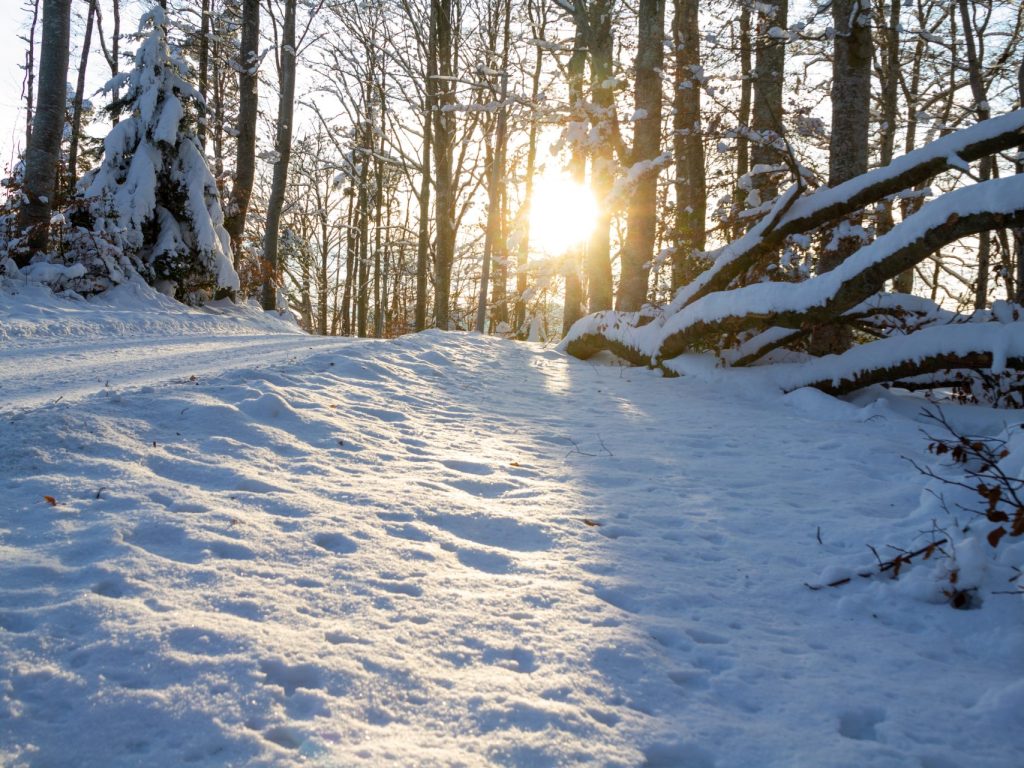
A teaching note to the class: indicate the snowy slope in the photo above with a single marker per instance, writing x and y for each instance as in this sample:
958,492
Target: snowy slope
383,553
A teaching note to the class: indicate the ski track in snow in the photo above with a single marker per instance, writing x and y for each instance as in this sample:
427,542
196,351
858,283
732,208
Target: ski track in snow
41,373
377,554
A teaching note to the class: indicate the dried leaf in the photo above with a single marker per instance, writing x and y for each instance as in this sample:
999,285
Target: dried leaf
50,500
593,523
896,565
995,535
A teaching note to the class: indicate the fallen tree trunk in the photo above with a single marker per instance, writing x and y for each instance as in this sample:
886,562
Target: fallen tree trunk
823,299
812,211
968,346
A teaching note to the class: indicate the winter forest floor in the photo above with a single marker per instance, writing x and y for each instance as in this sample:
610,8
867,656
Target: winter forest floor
447,549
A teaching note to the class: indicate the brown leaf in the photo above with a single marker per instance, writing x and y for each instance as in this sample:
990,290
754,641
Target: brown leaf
515,464
995,535
896,565
1018,522
51,501
593,523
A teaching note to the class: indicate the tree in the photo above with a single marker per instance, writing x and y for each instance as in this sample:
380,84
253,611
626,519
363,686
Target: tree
742,324
282,153
688,141
248,111
444,27
76,119
153,195
641,226
42,156
848,147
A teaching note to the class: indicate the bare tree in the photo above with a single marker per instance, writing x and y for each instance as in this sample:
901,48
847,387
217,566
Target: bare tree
688,139
641,226
248,110
282,152
42,157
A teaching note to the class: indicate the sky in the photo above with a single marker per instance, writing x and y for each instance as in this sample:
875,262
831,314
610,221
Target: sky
12,113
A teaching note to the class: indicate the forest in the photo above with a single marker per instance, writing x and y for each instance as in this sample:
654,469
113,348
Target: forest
686,178
512,383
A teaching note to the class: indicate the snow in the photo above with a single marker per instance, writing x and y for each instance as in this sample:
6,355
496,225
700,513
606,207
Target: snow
447,549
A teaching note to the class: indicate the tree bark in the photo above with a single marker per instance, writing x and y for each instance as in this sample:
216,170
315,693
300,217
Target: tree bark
641,218
769,76
444,138
523,255
494,233
283,148
986,167
423,239
1018,233
601,44
746,94
42,157
29,84
688,141
848,146
572,308
204,69
76,110
248,111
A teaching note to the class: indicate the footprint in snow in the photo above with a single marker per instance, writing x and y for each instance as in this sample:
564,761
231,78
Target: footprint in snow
337,543
468,467
291,677
859,724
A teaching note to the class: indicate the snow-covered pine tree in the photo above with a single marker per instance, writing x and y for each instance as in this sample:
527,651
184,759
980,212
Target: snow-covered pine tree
153,194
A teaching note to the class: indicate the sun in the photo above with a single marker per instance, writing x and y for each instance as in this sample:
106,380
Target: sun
562,214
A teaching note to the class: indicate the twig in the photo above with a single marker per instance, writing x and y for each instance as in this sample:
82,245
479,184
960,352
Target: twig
893,565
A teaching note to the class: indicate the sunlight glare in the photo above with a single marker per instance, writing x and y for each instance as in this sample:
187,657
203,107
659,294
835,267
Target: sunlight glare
562,214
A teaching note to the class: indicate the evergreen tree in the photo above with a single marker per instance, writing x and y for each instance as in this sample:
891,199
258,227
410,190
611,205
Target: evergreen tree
153,194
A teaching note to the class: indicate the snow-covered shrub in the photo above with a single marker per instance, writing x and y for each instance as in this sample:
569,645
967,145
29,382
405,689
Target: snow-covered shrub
153,197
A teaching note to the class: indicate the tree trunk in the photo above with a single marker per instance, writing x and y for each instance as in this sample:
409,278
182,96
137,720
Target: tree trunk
495,180
987,165
113,53
769,76
204,69
600,41
248,111
42,157
848,147
29,84
641,219
444,138
688,141
76,111
523,255
423,240
1018,233
350,258
283,148
362,271
743,140
572,309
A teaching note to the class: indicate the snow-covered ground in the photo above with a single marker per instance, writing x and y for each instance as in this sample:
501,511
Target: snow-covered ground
267,549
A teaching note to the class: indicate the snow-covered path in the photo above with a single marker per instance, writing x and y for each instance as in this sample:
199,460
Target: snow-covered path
37,374
451,550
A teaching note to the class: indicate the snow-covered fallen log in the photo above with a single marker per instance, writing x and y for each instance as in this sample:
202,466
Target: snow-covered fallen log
825,298
801,215
991,346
